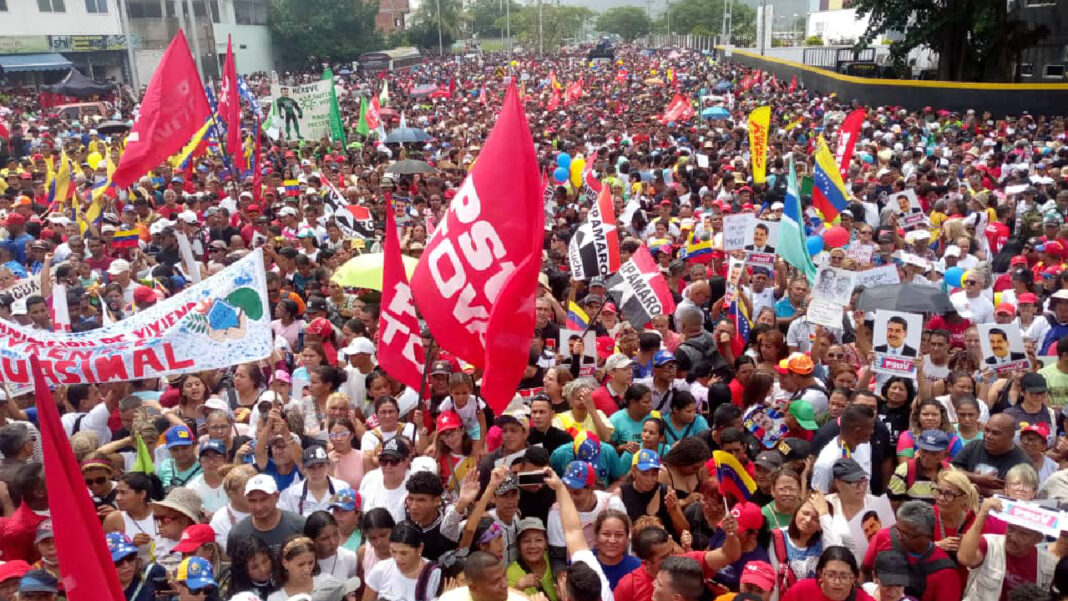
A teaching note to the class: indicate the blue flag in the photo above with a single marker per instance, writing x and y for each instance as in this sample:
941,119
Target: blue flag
792,247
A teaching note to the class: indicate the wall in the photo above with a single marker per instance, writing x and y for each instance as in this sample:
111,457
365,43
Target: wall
252,46
1051,51
23,18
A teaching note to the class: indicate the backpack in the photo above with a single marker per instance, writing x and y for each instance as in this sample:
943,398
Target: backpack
911,472
919,571
424,581
785,578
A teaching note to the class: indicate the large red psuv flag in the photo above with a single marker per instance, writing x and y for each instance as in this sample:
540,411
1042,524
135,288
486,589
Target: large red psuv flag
230,106
476,281
847,140
84,559
640,291
400,342
173,109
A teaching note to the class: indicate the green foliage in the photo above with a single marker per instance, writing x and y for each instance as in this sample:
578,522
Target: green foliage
484,14
814,40
628,22
423,28
976,40
686,15
701,30
559,23
307,32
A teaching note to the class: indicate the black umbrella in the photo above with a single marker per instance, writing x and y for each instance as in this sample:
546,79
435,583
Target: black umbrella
407,135
409,166
908,298
112,127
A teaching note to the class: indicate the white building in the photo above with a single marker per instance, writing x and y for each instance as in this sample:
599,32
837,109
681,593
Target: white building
40,40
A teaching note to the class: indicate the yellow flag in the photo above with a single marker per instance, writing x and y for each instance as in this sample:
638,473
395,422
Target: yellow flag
759,121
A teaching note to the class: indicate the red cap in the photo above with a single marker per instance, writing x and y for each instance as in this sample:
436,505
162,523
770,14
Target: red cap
26,175
759,573
448,420
254,209
605,346
15,568
1007,308
1018,260
143,295
609,308
290,153
1052,247
1027,297
450,193
1038,428
194,536
15,219
748,516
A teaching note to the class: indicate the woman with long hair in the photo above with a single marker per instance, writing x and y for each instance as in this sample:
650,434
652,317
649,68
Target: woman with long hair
554,381
387,411
758,390
376,525
298,572
956,501
193,391
684,420
333,559
398,576
253,568
837,579
323,381
744,367
928,414
346,462
248,383
531,572
236,509
795,549
786,487
895,404
612,529
684,468
220,426
772,349
453,448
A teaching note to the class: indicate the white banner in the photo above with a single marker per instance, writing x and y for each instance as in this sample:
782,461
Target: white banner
301,112
21,290
878,276
220,322
1032,516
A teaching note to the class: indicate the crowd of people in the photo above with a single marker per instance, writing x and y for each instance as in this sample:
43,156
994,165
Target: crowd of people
314,474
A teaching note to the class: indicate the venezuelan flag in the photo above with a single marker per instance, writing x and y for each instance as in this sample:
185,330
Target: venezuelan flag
192,148
830,195
59,187
738,315
696,249
733,479
292,187
576,317
101,188
125,239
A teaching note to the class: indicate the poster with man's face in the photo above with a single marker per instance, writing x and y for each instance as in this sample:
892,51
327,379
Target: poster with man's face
834,285
1002,347
908,209
762,238
766,423
896,340
577,344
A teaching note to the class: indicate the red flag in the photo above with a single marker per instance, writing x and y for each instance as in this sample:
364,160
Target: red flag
257,167
793,84
173,109
678,109
84,560
452,86
555,99
373,117
230,106
847,140
4,133
400,343
573,92
476,281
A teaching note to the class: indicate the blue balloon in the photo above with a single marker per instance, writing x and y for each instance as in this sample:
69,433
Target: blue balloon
814,244
560,175
953,277
563,160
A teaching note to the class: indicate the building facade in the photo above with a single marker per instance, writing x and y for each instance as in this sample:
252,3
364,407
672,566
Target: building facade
392,15
1047,61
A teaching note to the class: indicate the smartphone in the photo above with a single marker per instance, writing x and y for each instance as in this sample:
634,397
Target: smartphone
531,478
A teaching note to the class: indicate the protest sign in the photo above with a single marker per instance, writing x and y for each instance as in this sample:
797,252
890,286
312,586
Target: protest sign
834,285
879,276
824,313
896,342
580,344
768,424
736,230
220,322
1032,516
908,209
1002,347
760,243
21,290
301,112
861,253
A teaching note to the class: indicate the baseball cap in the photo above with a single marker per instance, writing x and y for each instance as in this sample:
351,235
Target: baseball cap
508,485
448,420
794,449
1027,297
662,358
617,361
798,363
262,483
347,499
587,446
194,536
748,516
847,469
178,436
394,447
16,568
315,455
1006,308
1033,382
892,569
45,531
196,573
932,440
952,251
360,345
529,524
803,413
597,281
1052,247
645,460
1018,260
38,581
609,308
214,445
1040,428
441,368
317,305
515,416
759,573
119,545
770,460
117,266
579,474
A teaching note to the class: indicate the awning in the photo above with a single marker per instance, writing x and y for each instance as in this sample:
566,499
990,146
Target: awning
52,61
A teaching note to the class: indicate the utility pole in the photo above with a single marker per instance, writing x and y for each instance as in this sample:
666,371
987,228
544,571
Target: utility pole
191,13
762,31
541,40
441,48
129,46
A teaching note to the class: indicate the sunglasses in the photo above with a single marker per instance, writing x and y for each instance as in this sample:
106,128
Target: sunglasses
390,461
96,481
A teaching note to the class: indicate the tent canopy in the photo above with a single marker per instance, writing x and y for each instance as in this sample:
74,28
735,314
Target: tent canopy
77,85
17,63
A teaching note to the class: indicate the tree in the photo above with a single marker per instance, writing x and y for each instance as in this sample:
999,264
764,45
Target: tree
306,32
483,15
976,40
685,16
423,31
628,22
558,24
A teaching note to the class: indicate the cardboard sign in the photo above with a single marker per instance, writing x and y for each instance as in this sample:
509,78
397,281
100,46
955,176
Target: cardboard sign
825,313
1032,516
907,206
861,253
834,285
879,276
21,290
768,424
896,342
1002,347
736,230
761,241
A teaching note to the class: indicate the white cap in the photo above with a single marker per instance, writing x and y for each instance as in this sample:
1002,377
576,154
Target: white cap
287,211
215,403
359,345
952,251
118,266
262,483
617,361
188,217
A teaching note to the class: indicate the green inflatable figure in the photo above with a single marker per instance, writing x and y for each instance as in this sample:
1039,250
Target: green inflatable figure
290,111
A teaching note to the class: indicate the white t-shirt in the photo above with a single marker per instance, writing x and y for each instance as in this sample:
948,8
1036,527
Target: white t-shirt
96,420
341,566
605,500
375,494
223,520
388,581
212,498
317,581
587,557
370,442
468,413
290,498
464,594
822,478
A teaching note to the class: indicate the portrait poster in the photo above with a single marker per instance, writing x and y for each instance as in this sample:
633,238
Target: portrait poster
768,424
896,342
834,285
760,243
1002,347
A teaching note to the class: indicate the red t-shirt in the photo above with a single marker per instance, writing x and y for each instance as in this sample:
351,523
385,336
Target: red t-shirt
997,234
1018,570
602,399
809,590
635,586
943,584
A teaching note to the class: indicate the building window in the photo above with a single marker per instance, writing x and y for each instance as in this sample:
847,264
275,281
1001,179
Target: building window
172,11
1034,3
51,6
3,6
96,6
1053,72
1027,70
214,5
144,9
250,12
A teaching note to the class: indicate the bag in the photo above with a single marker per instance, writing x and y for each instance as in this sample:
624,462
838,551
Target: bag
424,581
919,571
785,578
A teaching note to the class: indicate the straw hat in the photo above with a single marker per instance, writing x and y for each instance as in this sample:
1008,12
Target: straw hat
183,500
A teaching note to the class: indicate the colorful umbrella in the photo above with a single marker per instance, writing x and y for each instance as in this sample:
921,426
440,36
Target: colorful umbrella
365,271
